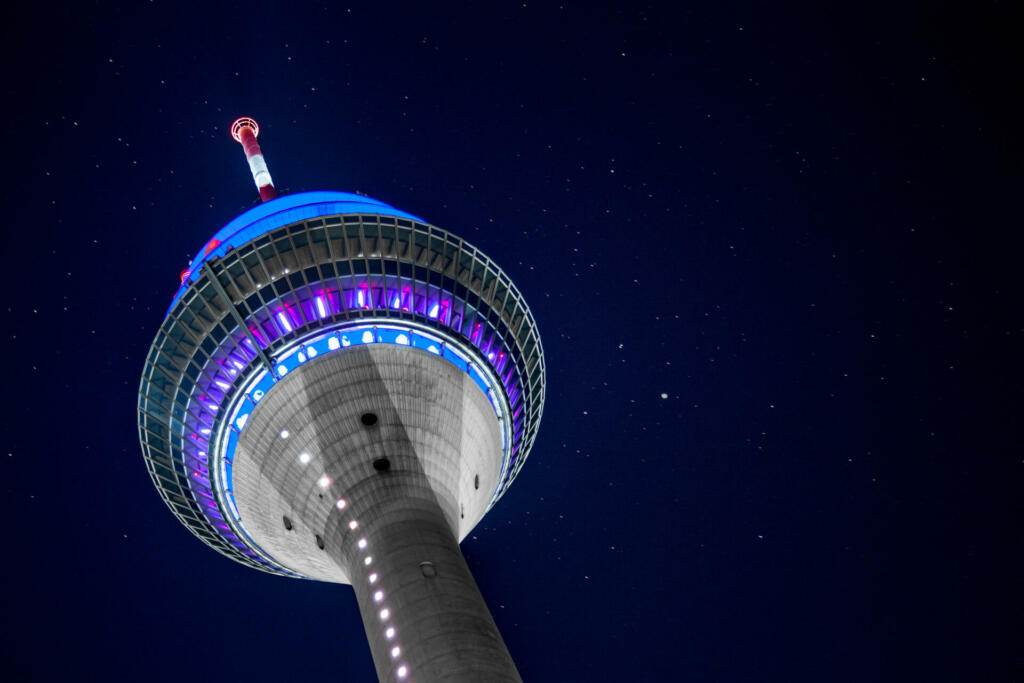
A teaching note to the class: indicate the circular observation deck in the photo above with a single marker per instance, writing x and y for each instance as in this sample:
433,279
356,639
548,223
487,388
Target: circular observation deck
306,275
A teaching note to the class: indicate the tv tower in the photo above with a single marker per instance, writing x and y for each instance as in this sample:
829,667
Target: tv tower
340,391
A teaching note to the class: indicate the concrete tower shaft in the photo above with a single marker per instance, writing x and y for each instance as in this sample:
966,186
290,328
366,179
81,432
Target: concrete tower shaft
410,447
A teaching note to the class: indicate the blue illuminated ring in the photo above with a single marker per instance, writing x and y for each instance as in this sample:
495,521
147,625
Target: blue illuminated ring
321,342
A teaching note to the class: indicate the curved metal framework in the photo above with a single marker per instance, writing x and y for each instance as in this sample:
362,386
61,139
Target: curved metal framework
244,122
273,288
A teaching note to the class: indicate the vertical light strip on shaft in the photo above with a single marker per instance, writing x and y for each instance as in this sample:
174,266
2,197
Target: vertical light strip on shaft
245,130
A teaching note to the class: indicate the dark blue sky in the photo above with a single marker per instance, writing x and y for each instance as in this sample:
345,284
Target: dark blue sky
769,251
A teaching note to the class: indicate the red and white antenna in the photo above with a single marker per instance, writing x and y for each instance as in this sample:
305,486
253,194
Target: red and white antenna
245,130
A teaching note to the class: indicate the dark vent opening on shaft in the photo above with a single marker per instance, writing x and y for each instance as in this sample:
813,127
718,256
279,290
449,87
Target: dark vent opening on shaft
368,419
476,481
319,542
428,570
382,464
287,523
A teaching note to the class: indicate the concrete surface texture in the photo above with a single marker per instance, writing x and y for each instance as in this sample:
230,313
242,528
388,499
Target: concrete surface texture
385,456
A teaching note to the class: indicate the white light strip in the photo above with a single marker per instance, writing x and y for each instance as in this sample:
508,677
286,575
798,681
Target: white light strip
260,172
384,613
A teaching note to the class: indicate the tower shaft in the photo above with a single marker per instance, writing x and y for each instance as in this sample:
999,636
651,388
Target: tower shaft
443,628
361,467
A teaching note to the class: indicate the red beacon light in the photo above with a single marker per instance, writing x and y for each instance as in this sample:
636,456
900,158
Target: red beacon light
244,130
184,275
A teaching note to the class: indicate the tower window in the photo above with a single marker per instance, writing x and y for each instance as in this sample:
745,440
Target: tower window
319,542
368,419
382,464
287,523
476,481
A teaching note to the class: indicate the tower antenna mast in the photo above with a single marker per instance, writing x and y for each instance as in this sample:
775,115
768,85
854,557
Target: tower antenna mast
244,131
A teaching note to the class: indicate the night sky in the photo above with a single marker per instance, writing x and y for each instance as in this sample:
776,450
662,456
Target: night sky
769,251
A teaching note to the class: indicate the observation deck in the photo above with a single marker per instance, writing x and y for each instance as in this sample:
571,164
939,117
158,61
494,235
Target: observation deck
302,277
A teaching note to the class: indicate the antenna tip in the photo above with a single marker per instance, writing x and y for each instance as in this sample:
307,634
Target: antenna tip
244,122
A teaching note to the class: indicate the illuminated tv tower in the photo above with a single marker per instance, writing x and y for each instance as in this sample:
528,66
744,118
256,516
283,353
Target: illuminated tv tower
340,391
